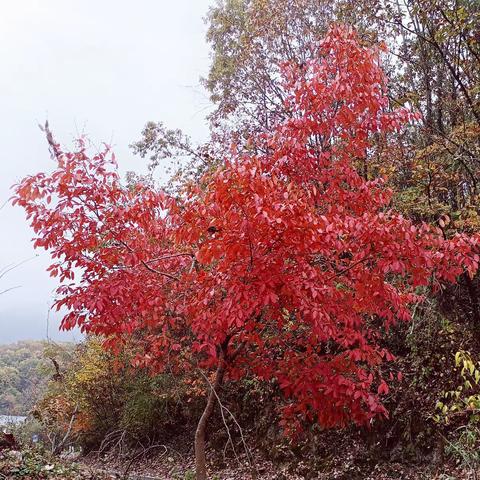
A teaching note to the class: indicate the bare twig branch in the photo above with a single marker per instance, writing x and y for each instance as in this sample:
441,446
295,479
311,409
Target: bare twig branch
8,289
68,432
222,409
13,266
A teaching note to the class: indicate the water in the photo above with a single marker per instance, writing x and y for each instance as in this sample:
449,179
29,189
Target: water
6,420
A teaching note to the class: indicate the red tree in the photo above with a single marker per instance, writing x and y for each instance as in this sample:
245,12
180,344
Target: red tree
284,265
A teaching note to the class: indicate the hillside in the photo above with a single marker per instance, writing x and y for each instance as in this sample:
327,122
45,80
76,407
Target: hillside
24,372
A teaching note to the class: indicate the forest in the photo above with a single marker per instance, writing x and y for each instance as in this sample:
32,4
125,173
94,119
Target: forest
22,367
301,299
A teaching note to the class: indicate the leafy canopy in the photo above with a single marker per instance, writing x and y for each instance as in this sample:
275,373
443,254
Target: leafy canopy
286,265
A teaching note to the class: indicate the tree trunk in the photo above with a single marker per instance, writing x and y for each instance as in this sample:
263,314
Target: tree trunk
200,457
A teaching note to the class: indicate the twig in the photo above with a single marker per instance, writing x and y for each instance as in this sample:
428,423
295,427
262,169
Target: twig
147,266
8,289
158,272
222,407
69,430
13,266
345,270
138,455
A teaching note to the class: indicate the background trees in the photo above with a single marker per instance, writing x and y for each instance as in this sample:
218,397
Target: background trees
24,372
432,63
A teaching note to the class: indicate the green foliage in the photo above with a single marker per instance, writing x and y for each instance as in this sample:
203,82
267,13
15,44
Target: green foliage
189,475
35,464
104,395
460,407
465,398
465,448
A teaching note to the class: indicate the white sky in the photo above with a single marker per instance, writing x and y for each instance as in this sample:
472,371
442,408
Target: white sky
102,67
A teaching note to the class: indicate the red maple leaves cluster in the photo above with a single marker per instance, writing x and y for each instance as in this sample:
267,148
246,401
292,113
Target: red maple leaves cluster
284,264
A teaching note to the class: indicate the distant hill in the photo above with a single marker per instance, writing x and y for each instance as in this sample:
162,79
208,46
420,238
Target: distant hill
25,370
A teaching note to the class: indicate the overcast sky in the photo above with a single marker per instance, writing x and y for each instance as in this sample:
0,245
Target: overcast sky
102,67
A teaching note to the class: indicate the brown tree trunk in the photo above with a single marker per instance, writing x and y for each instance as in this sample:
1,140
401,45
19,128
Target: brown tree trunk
200,457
